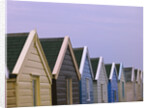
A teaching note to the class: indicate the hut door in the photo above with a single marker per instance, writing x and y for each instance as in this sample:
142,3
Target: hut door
35,91
69,91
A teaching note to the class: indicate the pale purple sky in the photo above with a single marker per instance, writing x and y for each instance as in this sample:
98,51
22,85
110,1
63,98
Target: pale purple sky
114,32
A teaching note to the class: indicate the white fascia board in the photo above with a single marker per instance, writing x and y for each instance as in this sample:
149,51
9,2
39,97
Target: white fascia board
83,58
120,71
133,75
24,52
98,68
89,62
112,68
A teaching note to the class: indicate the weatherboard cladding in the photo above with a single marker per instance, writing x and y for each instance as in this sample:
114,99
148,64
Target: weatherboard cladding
67,71
94,63
128,74
15,43
51,49
85,74
112,84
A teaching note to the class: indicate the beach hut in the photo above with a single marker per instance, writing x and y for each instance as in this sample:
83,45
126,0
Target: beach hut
130,84
112,82
29,80
66,75
100,80
85,68
121,82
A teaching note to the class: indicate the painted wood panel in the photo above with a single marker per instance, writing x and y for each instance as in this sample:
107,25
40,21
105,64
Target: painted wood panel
113,89
60,86
86,74
11,93
33,67
122,97
129,92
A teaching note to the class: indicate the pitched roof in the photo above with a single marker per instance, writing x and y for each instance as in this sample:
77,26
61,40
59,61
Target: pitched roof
78,54
55,50
135,74
108,69
118,68
128,74
94,63
15,43
51,48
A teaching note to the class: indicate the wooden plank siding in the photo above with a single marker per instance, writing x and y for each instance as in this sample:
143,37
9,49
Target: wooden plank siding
60,86
11,93
102,80
122,98
83,89
33,66
113,87
129,91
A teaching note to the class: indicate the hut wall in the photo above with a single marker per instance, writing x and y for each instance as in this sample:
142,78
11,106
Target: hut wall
33,67
67,71
83,91
102,81
11,92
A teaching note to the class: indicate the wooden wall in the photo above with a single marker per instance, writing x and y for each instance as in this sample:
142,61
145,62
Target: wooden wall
11,92
83,91
59,87
129,92
102,80
121,98
113,86
33,66
95,92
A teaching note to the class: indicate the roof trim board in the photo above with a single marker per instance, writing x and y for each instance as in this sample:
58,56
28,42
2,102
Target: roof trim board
112,68
61,55
32,37
23,53
132,77
83,58
98,69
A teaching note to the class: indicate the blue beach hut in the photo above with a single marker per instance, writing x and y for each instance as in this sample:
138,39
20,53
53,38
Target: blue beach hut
112,82
85,68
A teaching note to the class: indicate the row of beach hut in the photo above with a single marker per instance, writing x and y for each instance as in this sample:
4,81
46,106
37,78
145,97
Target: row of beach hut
48,71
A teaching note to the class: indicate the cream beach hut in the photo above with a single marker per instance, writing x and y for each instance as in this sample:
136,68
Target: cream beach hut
29,81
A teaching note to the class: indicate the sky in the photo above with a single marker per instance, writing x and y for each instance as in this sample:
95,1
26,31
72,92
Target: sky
113,32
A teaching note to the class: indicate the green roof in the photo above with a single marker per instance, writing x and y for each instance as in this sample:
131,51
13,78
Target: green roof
78,55
128,74
15,43
51,48
135,72
108,69
94,63
118,68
